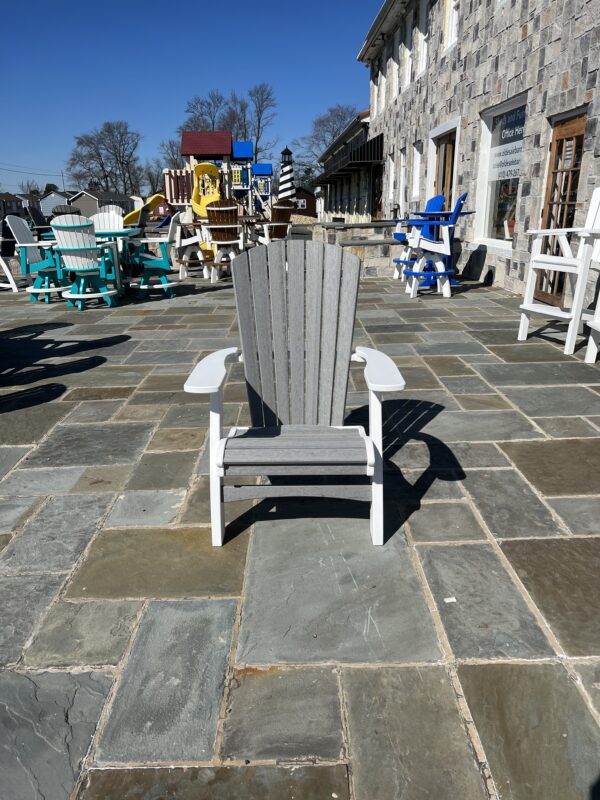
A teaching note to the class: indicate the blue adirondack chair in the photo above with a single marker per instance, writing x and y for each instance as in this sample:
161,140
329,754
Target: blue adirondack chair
435,245
36,259
433,206
81,255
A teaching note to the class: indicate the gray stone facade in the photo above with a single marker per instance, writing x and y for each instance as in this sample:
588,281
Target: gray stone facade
546,52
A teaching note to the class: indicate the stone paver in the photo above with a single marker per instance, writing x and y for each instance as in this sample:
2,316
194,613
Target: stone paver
145,508
283,715
46,726
156,714
160,562
536,748
444,522
23,599
62,529
482,611
298,640
77,634
562,577
555,468
220,783
406,736
87,445
317,590
508,505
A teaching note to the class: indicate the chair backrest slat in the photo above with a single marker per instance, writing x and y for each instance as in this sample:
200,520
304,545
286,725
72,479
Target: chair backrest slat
22,234
278,300
296,321
76,233
296,304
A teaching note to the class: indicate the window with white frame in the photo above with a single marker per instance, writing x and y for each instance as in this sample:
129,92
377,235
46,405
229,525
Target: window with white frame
407,51
416,170
450,22
391,177
500,156
423,28
300,202
402,182
396,64
382,82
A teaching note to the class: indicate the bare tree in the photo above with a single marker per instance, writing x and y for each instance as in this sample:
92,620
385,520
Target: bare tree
107,157
152,176
170,153
29,186
236,117
262,114
204,112
325,129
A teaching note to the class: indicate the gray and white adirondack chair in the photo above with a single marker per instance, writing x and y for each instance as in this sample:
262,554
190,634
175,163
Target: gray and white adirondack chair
37,261
296,304
575,265
111,208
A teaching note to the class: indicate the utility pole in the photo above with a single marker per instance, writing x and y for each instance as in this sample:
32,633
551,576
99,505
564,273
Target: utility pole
62,175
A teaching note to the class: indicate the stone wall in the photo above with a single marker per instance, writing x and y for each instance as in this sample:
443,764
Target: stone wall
548,51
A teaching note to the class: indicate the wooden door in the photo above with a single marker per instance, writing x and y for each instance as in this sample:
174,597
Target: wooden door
444,168
376,191
560,201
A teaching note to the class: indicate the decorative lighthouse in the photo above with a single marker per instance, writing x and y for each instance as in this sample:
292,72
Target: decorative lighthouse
287,190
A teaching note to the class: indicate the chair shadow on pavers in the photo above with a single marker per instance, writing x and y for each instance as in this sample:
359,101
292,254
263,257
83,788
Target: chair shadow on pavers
403,422
33,396
595,790
22,350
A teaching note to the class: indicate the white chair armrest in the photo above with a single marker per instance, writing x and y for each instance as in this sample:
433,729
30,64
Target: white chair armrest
562,231
381,374
150,240
44,243
209,375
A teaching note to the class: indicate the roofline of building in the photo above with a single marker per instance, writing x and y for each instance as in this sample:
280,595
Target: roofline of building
375,31
339,141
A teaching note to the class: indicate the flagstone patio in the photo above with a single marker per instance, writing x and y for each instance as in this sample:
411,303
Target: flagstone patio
461,660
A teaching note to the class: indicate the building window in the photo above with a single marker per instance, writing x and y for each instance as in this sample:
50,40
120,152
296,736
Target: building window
423,28
407,51
391,177
402,187
396,64
416,170
445,148
374,87
300,203
382,81
500,169
450,22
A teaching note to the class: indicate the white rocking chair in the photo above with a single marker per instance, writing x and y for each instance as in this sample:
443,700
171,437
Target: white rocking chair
296,304
576,266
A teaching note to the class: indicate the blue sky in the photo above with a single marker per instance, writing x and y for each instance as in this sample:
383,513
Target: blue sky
67,69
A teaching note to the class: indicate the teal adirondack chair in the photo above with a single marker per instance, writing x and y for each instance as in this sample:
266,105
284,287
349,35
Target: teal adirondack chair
36,259
89,261
156,269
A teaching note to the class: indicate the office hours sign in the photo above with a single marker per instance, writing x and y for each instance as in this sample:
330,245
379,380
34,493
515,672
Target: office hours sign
507,145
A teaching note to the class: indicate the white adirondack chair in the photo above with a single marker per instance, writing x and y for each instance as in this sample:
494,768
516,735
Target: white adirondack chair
296,304
157,269
83,256
37,261
575,265
111,208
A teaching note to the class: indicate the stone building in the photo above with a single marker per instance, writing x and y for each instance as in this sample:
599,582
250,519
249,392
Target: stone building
497,99
351,181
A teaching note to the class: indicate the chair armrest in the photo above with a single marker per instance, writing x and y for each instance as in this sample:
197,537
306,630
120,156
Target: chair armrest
381,374
209,375
150,240
45,244
562,231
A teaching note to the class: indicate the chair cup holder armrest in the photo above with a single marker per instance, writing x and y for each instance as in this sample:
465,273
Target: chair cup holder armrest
381,374
209,375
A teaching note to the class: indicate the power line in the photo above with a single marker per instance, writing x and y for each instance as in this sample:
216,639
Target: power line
22,166
24,172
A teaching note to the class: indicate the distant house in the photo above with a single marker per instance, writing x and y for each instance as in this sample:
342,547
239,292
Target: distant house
9,204
306,202
53,198
29,199
90,201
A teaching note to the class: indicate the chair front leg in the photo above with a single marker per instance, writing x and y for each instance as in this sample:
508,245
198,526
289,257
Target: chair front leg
376,436
217,517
